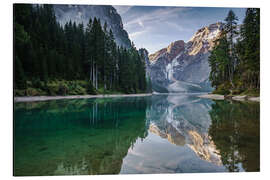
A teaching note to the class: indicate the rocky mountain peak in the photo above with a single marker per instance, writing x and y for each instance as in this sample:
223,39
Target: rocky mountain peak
203,39
170,52
183,67
175,47
155,55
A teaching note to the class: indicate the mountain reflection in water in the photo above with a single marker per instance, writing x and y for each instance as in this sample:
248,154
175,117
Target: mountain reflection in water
185,120
157,134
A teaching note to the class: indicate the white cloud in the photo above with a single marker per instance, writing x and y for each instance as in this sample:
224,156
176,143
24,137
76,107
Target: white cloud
140,23
159,15
176,26
137,33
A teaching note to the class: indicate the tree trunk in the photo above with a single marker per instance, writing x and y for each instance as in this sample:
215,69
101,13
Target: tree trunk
96,77
90,76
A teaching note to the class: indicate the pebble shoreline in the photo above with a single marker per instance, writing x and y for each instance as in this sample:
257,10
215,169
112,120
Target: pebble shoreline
46,98
235,98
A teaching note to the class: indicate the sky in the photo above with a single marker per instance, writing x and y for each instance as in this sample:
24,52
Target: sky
155,27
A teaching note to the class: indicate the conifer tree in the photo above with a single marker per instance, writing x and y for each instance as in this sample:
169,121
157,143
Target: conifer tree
250,48
219,62
20,82
231,31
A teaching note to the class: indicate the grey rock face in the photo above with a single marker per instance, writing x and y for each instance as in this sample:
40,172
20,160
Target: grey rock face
183,67
82,14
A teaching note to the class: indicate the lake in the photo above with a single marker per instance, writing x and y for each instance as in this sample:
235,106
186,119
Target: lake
177,133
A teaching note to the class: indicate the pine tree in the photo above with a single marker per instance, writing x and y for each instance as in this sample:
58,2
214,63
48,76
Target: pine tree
219,62
249,48
113,60
20,82
231,31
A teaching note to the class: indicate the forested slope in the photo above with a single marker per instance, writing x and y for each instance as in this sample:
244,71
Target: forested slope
50,59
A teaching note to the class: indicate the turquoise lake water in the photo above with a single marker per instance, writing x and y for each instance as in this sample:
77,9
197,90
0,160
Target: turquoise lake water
178,133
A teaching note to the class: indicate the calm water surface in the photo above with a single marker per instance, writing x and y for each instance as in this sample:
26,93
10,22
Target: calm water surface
127,135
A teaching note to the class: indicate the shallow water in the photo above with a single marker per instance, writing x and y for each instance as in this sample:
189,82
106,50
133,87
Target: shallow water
127,135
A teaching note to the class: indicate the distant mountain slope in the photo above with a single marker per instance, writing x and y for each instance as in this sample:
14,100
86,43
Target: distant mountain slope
183,67
82,13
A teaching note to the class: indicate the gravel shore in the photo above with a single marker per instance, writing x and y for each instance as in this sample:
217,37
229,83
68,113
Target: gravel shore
46,98
235,98
212,96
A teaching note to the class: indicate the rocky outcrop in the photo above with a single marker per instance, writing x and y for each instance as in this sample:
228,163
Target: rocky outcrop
183,67
170,52
82,14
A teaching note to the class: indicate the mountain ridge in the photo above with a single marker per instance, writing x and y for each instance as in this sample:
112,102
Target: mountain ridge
183,67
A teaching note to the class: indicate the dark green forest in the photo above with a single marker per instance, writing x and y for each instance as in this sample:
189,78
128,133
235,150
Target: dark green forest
50,59
235,59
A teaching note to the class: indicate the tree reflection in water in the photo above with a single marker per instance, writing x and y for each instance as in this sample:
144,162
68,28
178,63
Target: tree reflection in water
235,130
69,137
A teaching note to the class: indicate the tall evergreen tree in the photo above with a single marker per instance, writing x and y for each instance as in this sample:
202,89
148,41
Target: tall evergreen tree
231,30
219,62
249,48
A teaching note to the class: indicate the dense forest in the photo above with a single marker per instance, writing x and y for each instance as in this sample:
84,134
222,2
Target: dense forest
50,59
235,60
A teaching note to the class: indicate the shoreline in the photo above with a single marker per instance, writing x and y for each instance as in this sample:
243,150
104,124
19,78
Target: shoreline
235,98
47,98
206,96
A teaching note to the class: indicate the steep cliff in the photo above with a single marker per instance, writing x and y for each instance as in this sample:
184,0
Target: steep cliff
82,13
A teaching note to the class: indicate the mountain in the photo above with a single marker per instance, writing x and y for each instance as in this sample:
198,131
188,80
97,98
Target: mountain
82,13
183,67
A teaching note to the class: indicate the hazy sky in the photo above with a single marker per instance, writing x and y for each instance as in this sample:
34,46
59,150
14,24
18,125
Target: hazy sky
154,27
